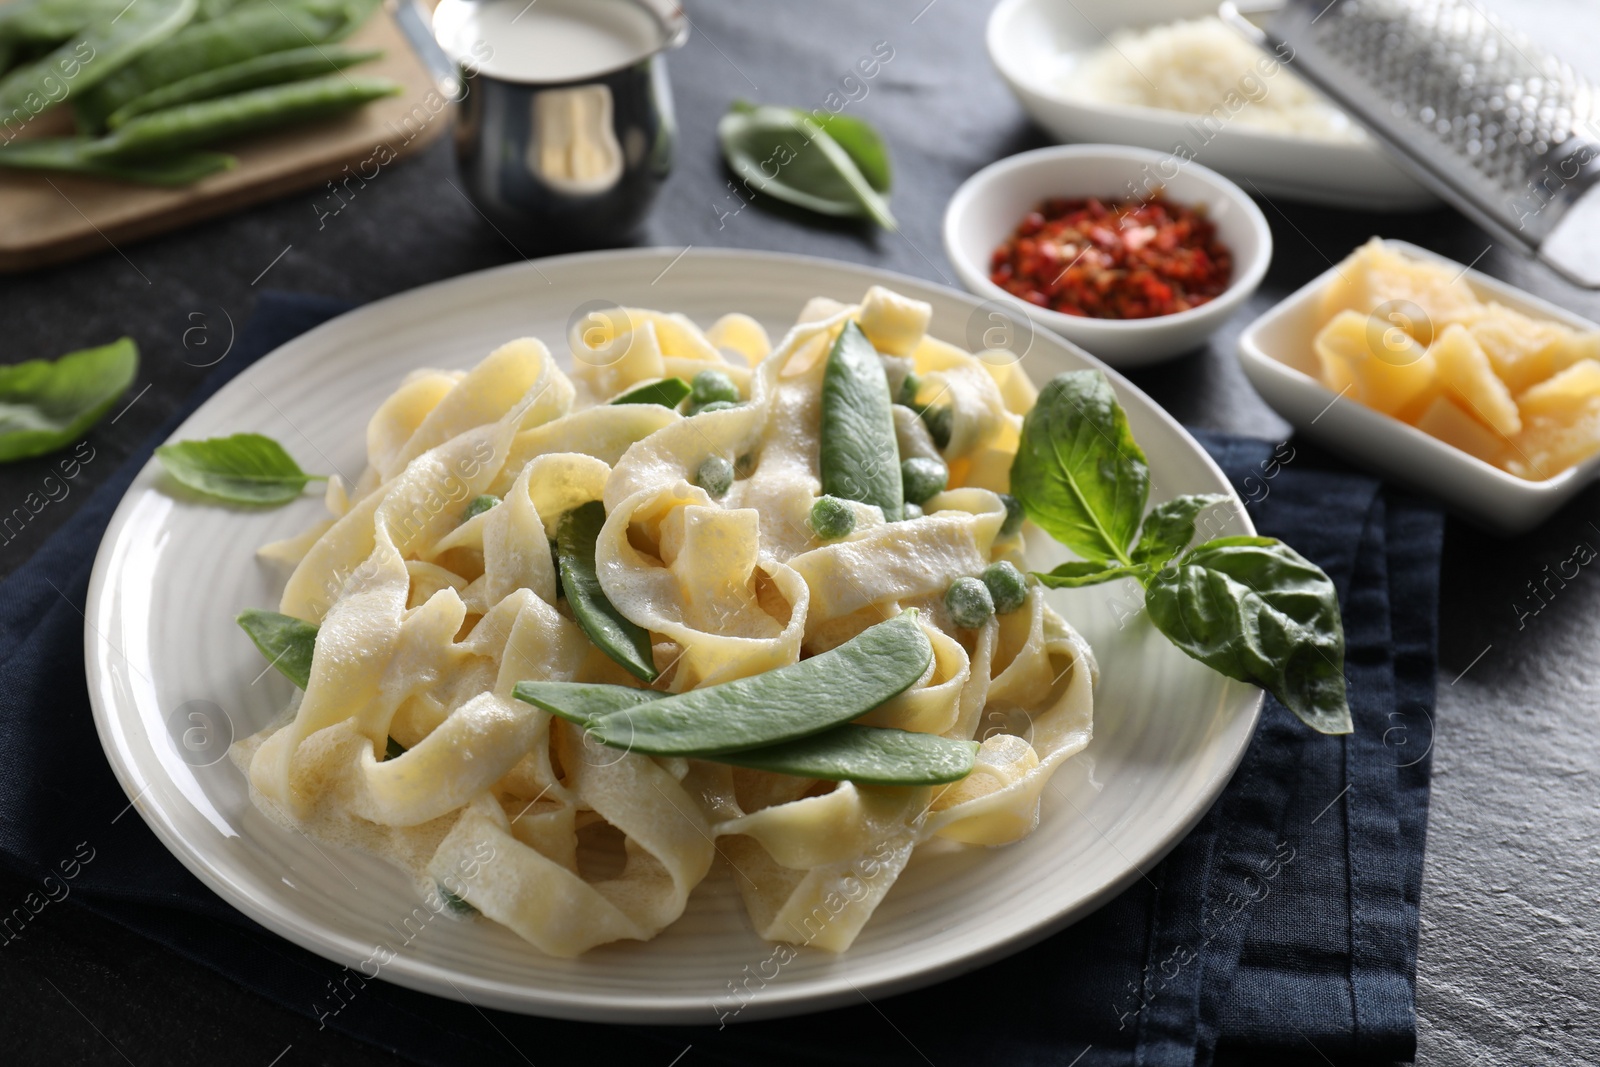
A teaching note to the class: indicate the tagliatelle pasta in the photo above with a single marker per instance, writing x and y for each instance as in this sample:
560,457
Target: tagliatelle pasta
408,742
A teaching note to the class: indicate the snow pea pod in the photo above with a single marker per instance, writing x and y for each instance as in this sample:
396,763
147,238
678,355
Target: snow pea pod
66,154
869,755
615,635
97,51
780,705
668,392
274,68
860,459
190,125
49,22
244,33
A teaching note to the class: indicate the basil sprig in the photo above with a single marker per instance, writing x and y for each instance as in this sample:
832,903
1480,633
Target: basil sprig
1251,608
831,164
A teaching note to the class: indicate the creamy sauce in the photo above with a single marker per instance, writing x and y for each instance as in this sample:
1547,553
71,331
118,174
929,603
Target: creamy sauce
546,40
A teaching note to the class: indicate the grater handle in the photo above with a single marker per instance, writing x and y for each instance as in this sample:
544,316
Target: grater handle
1573,247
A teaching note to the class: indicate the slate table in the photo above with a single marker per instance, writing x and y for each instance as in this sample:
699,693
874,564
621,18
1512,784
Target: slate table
1510,936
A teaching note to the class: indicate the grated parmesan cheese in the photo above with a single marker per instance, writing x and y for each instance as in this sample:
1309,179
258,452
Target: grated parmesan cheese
1201,67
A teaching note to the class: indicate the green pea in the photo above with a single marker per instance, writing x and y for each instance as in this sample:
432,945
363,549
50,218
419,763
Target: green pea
909,390
715,405
912,511
832,518
969,603
715,475
940,421
1013,524
1006,586
479,505
922,477
710,386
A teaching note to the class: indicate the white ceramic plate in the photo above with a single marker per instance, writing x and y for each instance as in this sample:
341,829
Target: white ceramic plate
1035,43
1277,357
161,647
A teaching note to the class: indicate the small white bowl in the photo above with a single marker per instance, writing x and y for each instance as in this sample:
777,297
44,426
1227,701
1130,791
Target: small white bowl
1277,357
988,206
1034,44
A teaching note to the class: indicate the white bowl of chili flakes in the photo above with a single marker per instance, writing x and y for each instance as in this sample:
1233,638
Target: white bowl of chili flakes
1136,255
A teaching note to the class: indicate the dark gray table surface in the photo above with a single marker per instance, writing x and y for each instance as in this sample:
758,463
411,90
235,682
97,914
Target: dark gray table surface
1511,907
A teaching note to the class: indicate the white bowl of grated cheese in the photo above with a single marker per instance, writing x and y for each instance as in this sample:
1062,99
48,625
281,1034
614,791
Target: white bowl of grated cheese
1169,76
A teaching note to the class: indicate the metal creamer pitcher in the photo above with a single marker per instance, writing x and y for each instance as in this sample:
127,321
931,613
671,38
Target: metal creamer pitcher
556,155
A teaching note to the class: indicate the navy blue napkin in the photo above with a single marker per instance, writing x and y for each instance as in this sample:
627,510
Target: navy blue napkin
1284,926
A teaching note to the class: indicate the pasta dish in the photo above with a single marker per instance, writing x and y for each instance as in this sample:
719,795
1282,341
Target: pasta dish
573,640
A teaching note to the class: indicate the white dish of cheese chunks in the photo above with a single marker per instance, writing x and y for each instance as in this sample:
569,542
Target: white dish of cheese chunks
1439,377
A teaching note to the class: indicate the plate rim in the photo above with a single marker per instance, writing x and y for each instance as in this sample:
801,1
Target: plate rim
325,940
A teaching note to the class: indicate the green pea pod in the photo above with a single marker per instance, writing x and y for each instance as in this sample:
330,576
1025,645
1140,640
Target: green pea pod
244,33
91,57
869,755
66,154
41,23
668,392
616,636
778,706
191,125
211,9
860,458
274,68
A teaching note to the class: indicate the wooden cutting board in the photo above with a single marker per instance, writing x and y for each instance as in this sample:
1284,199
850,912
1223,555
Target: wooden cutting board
50,218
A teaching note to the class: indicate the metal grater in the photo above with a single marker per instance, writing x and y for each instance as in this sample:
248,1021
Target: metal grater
1474,110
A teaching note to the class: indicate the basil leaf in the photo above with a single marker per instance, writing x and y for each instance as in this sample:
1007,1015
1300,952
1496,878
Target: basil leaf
1254,609
785,154
1169,527
48,404
1078,472
246,468
290,644
285,640
1081,573
861,141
